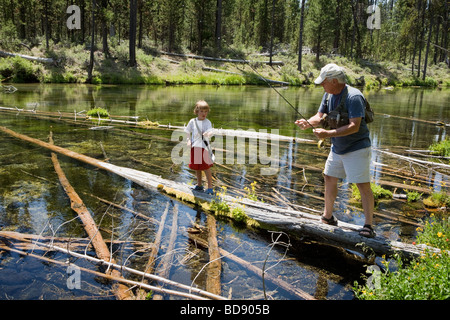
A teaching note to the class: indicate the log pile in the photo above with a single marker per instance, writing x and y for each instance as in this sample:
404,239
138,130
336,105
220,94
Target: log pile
260,215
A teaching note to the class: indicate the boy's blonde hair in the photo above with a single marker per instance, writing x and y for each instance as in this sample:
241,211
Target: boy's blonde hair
201,105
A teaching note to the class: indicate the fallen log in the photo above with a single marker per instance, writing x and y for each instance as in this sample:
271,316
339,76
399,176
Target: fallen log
121,291
250,134
27,57
166,261
215,265
73,244
260,215
122,268
410,159
149,268
193,56
107,276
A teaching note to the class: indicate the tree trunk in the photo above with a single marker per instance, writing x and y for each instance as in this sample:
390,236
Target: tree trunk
105,28
219,25
91,59
422,35
272,26
300,40
132,44
428,48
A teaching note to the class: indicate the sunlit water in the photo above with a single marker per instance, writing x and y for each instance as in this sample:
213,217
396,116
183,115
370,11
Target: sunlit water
32,200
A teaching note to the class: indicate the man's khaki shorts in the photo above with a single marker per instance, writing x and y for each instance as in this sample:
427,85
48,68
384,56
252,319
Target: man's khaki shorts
355,166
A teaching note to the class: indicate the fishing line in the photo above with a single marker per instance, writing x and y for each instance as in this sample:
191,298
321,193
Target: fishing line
268,83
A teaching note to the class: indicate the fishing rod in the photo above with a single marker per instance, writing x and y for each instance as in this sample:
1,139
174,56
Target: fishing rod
268,83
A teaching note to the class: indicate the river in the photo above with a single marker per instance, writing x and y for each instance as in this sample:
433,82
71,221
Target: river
32,200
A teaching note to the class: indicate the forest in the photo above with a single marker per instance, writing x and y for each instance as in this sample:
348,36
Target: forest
411,33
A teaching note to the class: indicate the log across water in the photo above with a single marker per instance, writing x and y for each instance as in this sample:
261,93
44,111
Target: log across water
261,215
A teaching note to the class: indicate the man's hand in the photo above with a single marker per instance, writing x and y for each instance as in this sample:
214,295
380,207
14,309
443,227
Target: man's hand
303,124
322,133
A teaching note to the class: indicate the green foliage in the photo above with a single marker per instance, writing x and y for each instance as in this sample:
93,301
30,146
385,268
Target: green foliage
413,196
435,233
424,278
189,26
19,69
438,199
441,148
251,192
238,214
98,112
218,204
378,192
149,295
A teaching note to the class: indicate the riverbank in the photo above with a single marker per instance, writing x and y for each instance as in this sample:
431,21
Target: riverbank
153,67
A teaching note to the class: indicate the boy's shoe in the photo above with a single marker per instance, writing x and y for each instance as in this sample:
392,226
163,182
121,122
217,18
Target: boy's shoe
197,188
209,191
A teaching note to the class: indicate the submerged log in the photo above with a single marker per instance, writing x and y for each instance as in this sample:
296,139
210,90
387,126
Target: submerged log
410,159
121,291
258,271
166,261
260,215
119,279
215,264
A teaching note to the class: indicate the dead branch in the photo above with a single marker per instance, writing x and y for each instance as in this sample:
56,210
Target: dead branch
121,268
107,276
77,205
164,265
282,284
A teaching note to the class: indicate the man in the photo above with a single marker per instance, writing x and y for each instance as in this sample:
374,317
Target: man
350,153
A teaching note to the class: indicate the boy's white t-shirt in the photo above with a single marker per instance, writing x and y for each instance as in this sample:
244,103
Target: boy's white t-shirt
196,137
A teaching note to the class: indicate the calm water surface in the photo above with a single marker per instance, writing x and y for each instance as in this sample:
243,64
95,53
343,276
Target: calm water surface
32,201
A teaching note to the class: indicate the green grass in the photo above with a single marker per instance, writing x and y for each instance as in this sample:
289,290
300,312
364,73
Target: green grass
441,148
152,69
378,192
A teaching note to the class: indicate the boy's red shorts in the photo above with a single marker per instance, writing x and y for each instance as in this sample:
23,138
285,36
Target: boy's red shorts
200,159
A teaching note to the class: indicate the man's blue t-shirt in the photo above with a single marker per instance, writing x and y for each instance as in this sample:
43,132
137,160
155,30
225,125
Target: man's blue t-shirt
355,106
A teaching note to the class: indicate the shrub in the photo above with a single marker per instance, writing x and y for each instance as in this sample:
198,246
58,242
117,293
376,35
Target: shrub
438,199
98,112
21,70
378,192
441,148
423,278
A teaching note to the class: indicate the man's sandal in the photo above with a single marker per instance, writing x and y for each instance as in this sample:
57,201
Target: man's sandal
331,221
367,231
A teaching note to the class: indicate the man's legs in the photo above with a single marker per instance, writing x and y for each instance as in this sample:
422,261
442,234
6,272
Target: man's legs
367,201
331,191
